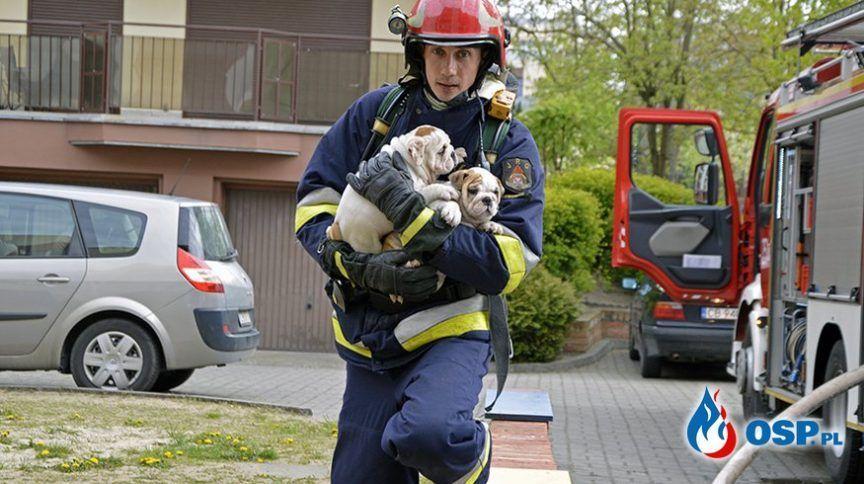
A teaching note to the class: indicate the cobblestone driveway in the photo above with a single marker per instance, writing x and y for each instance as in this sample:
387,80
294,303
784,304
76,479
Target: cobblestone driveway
610,424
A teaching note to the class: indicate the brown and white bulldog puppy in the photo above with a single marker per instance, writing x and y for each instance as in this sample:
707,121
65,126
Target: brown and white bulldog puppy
480,194
428,154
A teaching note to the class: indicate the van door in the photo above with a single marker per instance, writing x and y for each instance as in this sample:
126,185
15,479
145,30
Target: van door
41,266
676,212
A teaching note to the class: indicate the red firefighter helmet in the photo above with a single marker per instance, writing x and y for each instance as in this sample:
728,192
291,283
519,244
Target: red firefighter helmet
456,23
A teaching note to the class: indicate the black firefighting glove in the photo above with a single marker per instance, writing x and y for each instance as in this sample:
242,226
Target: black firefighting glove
384,181
383,273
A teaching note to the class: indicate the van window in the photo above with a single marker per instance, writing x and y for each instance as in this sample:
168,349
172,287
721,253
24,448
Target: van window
37,227
110,231
203,233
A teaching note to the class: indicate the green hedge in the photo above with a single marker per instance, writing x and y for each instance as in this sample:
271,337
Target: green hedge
600,182
572,231
541,310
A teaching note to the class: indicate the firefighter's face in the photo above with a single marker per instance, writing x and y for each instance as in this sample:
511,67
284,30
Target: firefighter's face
450,70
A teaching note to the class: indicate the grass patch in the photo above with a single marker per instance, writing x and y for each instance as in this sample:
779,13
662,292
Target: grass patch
154,439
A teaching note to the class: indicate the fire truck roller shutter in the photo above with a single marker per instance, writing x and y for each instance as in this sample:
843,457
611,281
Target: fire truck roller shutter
839,203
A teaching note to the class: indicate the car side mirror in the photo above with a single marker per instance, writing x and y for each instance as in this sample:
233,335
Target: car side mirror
706,183
706,142
629,283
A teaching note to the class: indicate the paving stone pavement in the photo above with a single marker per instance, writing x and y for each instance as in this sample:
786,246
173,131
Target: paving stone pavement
611,425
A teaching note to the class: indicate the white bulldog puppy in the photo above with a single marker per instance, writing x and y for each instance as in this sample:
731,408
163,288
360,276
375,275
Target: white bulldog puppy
428,154
480,194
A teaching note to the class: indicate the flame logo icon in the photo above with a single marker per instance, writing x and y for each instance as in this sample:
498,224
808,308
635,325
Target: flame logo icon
708,431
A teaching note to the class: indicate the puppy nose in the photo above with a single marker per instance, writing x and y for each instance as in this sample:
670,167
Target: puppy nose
487,201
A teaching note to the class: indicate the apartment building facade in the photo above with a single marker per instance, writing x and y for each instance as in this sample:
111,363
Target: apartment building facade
220,100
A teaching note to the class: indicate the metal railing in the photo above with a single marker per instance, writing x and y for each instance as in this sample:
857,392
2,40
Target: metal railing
199,71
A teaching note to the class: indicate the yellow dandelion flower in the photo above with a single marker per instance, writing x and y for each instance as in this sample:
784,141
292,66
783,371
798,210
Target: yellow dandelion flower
75,465
288,441
180,452
244,449
65,465
94,460
235,441
45,453
260,460
39,443
208,441
244,458
168,454
199,441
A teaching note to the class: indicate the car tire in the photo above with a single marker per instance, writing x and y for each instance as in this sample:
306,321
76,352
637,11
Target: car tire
846,463
170,379
115,354
632,352
649,366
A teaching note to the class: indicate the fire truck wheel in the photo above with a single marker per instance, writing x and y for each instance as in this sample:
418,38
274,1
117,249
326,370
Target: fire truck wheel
845,462
755,403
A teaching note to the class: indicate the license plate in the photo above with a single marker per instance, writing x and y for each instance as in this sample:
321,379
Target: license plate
245,319
719,313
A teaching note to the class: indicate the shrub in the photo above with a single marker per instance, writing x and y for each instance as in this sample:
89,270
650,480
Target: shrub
600,182
572,230
541,309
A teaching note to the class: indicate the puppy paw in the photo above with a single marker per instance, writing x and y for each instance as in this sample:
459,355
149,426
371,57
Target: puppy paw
413,264
449,193
492,227
451,214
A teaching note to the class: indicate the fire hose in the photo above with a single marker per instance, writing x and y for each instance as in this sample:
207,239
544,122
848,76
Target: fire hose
745,455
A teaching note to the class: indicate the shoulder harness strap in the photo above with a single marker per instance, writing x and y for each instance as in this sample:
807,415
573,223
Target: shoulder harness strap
497,123
388,111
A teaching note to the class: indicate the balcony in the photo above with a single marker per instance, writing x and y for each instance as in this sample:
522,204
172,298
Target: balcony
189,71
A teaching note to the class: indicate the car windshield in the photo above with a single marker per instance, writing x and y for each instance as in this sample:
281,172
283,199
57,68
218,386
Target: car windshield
204,235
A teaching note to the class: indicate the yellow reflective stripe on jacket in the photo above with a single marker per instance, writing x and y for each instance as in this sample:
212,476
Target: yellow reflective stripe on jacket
338,257
472,476
308,212
340,339
416,225
455,326
514,259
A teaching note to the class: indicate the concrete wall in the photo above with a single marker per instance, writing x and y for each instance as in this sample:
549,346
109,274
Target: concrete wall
204,177
13,10
157,12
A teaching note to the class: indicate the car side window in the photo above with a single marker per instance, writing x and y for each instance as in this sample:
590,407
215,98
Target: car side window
110,231
37,227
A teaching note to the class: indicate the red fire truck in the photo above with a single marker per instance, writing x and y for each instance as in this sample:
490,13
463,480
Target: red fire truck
790,257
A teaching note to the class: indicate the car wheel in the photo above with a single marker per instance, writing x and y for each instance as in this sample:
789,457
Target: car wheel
649,366
844,462
115,354
755,403
171,379
633,353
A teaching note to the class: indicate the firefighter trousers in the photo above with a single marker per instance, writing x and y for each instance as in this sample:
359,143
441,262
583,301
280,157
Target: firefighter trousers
416,418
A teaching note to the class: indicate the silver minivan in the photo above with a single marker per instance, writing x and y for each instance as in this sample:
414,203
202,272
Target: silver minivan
121,289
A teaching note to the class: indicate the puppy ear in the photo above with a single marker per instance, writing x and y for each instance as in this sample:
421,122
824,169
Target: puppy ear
416,145
457,178
500,188
461,154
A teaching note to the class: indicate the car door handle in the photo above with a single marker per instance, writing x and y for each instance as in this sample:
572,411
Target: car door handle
53,278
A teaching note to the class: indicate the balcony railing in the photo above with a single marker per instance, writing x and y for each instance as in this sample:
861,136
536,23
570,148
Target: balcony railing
196,71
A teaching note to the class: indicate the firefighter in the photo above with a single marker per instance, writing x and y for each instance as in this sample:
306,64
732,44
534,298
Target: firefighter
415,368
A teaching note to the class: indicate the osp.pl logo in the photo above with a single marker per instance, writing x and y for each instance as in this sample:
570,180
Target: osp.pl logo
709,432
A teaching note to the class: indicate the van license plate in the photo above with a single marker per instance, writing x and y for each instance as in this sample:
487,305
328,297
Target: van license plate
245,319
719,313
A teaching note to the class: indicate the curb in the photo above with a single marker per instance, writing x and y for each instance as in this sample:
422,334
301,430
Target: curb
304,412
593,355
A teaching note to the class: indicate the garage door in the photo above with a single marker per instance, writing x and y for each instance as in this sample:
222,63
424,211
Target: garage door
291,308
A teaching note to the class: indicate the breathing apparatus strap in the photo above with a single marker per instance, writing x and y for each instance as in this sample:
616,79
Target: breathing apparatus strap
493,132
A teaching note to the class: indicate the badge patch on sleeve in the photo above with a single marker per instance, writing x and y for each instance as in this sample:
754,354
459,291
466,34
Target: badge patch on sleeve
517,175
